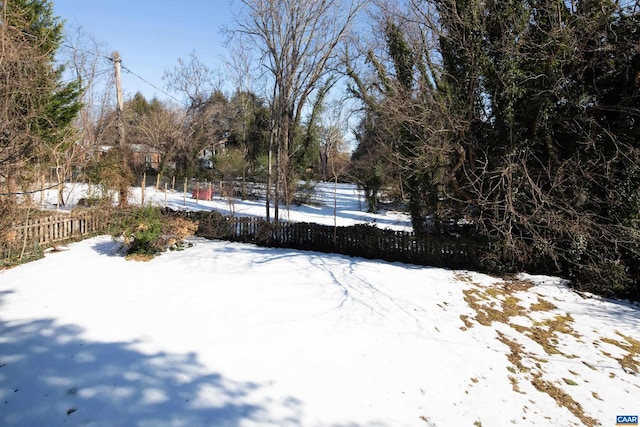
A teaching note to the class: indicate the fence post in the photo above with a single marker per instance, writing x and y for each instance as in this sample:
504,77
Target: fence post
142,187
184,194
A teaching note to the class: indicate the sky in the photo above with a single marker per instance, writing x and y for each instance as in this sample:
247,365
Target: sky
230,334
151,35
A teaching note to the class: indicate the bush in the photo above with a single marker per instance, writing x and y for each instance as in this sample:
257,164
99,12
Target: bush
305,194
212,225
148,232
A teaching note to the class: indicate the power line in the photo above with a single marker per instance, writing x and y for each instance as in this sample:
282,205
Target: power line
86,52
20,193
97,74
150,84
98,55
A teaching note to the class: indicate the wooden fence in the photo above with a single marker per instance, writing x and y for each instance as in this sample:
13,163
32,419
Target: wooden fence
28,239
360,240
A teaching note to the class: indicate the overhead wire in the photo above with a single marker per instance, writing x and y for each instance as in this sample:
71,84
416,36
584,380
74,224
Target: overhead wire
128,70
124,68
20,193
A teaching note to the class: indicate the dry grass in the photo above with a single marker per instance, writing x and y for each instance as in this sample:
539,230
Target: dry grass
515,285
515,355
139,257
500,304
542,305
563,399
630,362
514,384
493,305
466,321
545,333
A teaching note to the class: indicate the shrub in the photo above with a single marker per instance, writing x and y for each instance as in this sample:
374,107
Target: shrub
147,231
212,225
305,194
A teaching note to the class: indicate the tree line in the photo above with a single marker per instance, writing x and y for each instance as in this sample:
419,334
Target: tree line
517,121
519,117
63,117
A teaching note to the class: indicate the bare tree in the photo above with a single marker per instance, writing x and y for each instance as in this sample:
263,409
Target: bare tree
87,63
334,158
239,68
192,79
297,44
207,116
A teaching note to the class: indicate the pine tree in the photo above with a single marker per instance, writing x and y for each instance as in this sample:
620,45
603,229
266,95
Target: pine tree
38,106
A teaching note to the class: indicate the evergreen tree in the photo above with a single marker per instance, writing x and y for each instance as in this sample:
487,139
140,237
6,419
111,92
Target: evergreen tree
526,120
553,177
34,91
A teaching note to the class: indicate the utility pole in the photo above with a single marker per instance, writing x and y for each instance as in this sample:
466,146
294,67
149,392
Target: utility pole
117,63
123,190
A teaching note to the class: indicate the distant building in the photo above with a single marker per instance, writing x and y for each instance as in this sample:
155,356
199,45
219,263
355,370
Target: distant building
206,155
146,156
142,155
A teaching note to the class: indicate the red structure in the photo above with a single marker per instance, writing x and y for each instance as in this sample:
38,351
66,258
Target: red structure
202,193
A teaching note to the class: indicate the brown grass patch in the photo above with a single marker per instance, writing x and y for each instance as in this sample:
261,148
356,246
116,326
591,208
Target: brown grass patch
515,356
516,285
542,305
514,384
563,399
545,333
628,362
493,305
499,304
464,278
466,321
139,257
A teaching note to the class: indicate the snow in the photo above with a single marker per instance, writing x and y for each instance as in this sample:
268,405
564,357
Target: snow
226,334
349,204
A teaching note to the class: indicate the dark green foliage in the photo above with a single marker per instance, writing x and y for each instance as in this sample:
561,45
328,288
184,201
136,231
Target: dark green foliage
249,128
401,54
305,194
533,135
212,225
61,100
149,231
37,105
555,183
141,229
107,174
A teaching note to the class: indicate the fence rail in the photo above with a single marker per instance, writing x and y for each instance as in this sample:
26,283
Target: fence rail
360,240
27,239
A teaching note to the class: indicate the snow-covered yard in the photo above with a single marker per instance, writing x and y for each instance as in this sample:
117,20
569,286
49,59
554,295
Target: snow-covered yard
225,334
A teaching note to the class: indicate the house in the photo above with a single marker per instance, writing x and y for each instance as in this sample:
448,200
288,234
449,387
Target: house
142,155
206,155
145,155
